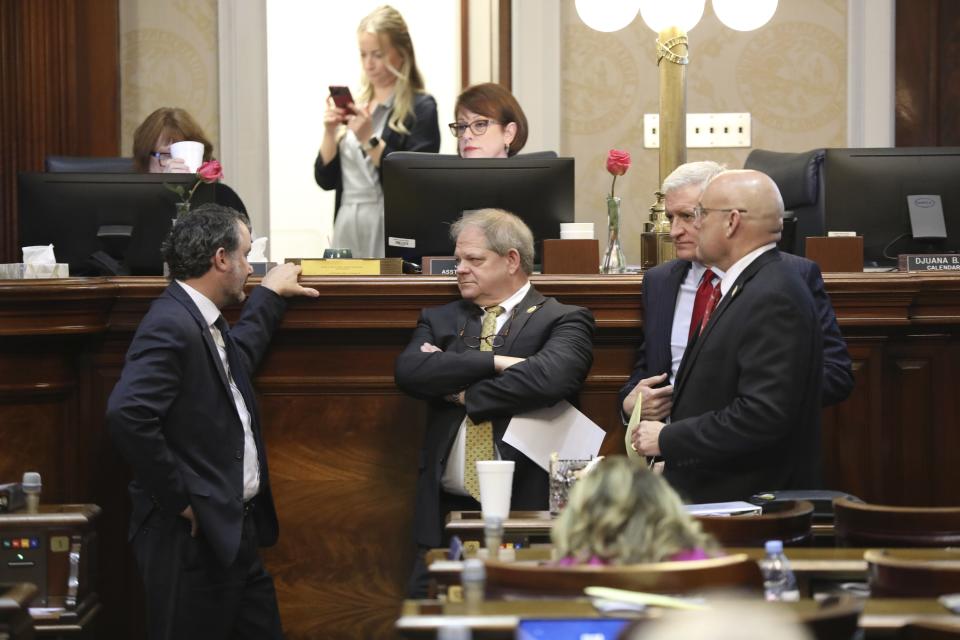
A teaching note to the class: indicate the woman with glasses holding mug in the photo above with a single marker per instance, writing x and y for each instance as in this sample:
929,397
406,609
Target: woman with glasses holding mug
393,113
489,122
162,128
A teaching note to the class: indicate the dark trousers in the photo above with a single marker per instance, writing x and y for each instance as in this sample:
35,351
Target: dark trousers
419,581
190,595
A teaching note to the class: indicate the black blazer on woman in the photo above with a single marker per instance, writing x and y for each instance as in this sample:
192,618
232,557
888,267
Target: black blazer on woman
424,136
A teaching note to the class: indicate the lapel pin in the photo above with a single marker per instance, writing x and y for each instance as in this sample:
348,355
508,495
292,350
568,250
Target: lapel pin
532,309
735,291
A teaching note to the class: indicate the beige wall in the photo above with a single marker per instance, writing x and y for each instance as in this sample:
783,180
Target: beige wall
790,75
168,58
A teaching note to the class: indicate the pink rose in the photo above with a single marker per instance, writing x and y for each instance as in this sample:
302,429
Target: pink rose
212,171
618,162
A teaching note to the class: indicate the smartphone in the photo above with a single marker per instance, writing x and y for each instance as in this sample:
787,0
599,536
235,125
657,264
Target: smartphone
341,96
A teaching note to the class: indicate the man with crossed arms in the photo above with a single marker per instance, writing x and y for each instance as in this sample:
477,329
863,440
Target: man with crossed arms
502,349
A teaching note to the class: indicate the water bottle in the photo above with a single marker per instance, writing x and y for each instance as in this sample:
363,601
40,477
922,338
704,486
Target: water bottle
473,579
779,583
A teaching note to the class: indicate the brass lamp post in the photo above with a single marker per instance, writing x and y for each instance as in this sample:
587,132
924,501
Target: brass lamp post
656,245
670,20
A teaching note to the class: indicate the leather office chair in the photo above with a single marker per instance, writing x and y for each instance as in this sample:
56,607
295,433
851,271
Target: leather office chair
81,164
862,525
912,573
728,572
791,523
799,177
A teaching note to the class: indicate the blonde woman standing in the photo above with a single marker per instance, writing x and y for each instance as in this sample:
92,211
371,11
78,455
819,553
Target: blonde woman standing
392,113
623,513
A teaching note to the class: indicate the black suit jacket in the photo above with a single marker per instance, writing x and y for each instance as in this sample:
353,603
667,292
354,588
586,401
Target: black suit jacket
424,136
661,285
746,402
557,341
174,420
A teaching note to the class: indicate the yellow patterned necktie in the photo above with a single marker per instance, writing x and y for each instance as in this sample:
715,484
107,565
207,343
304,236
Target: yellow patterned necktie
479,445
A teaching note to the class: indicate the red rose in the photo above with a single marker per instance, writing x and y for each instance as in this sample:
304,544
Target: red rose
618,162
212,171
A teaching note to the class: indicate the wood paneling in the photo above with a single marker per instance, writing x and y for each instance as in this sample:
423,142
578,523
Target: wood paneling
343,442
59,91
927,73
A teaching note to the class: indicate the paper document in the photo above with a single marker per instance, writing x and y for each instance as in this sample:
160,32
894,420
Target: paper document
736,508
561,428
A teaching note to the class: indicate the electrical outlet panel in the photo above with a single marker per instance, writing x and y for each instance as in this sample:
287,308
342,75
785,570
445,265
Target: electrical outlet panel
704,130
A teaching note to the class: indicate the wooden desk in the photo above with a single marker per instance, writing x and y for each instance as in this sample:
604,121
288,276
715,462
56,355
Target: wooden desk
344,442
499,619
817,569
533,527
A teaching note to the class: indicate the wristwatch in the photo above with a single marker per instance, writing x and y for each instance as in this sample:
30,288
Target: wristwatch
370,144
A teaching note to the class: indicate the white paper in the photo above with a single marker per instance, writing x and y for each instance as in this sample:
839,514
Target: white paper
735,508
560,428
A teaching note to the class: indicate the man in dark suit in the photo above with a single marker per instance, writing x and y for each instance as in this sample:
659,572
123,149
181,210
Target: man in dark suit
746,403
539,353
669,292
184,415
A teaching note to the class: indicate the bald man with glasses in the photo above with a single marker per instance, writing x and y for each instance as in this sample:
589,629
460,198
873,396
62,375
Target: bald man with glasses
671,314
745,414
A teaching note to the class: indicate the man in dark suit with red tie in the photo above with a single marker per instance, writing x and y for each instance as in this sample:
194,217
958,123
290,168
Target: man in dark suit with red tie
674,298
184,415
745,412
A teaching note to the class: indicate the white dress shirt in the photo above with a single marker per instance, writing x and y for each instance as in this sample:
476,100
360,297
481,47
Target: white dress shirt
740,266
452,480
251,460
683,314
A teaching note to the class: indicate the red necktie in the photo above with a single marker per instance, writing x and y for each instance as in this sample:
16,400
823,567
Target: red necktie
702,302
711,306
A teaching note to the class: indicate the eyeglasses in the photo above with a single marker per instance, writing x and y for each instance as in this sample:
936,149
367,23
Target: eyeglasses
700,212
495,340
161,156
477,127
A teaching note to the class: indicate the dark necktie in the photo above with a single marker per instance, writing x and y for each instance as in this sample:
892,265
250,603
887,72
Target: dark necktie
237,371
702,301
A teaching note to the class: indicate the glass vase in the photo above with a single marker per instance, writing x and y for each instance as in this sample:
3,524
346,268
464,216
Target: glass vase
613,259
182,208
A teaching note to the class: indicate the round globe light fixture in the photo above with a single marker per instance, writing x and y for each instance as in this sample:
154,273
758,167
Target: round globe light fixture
607,15
744,15
662,14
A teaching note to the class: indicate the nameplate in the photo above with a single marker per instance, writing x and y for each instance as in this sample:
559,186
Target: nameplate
349,266
439,265
929,262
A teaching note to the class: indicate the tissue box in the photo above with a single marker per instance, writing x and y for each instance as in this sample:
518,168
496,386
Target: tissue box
21,271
